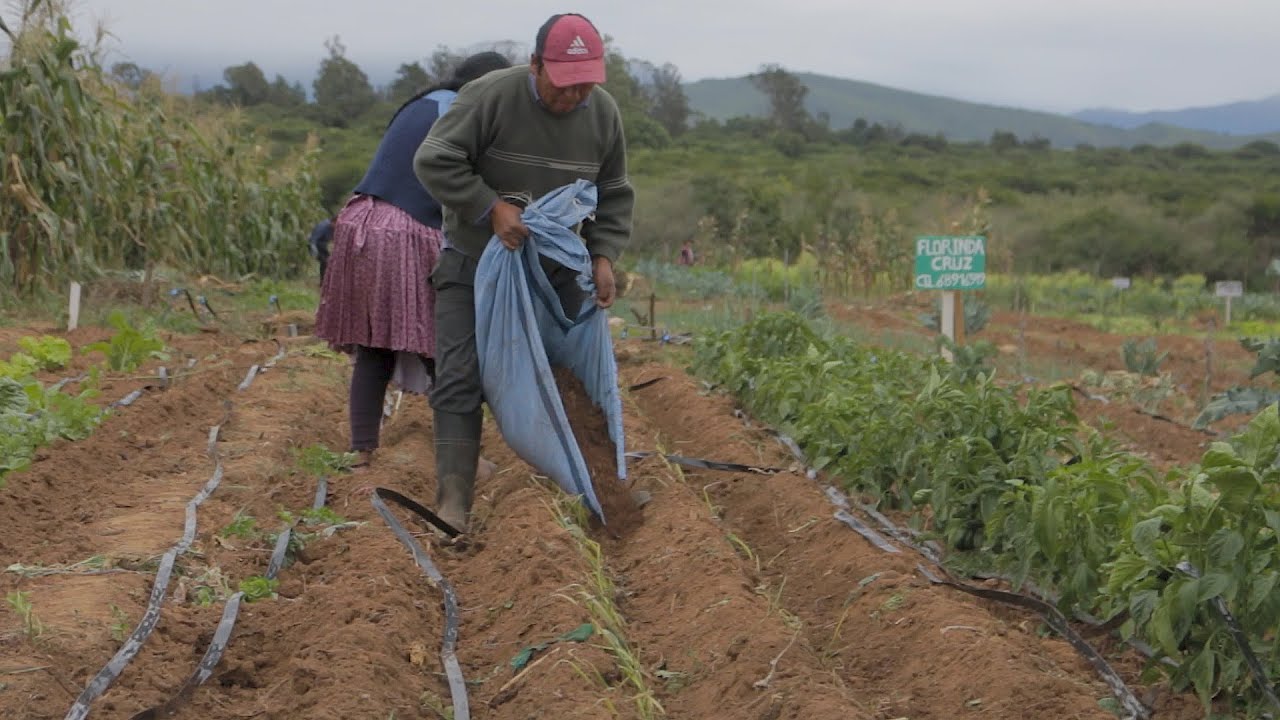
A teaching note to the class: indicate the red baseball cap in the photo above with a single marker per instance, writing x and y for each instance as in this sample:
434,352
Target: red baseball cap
571,50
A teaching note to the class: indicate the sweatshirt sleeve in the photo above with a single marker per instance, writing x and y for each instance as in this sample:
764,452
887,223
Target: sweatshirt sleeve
610,234
445,162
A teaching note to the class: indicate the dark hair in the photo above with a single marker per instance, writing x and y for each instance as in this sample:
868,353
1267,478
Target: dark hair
540,41
469,69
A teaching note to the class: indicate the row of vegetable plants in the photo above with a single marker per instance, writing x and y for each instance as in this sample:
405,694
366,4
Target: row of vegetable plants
1011,479
34,413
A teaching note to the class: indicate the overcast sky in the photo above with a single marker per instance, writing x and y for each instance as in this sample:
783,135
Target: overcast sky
1060,55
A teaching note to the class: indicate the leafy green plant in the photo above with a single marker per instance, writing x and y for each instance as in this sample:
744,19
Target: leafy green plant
320,461
49,352
1019,486
1246,400
1142,358
128,347
32,416
18,367
242,526
323,515
977,314
259,588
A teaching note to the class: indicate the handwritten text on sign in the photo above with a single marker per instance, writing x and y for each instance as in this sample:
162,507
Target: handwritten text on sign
951,262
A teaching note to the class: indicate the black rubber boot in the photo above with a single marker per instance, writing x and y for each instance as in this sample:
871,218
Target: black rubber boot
457,455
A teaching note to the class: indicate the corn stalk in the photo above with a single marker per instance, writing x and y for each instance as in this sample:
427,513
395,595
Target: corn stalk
95,177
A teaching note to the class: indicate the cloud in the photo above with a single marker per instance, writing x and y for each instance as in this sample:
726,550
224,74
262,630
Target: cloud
1133,54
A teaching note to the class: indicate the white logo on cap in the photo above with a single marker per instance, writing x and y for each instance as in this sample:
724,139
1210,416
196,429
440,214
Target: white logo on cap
577,47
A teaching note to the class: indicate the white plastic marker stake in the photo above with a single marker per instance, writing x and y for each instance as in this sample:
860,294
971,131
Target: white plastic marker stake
73,312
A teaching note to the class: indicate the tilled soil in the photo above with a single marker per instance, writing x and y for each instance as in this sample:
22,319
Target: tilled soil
732,595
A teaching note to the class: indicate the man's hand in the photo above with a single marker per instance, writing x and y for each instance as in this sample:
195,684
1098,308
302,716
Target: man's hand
602,273
507,225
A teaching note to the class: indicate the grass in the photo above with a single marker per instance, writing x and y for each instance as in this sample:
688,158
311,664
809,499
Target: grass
597,594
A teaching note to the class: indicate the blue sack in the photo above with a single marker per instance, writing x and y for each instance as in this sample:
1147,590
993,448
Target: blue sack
522,332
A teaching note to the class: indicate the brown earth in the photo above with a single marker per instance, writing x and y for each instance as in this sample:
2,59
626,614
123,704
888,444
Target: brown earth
738,595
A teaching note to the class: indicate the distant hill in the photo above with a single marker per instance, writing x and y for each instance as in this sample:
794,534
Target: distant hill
844,101
1253,117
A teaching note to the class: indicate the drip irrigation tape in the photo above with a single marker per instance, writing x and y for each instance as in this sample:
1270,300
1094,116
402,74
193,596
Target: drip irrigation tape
1056,620
872,536
647,383
1260,679
133,644
930,551
230,614
709,464
452,669
248,379
57,387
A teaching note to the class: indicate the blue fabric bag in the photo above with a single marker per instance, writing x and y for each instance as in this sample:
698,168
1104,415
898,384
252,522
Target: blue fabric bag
522,332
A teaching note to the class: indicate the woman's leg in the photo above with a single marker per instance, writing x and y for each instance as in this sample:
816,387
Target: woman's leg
369,380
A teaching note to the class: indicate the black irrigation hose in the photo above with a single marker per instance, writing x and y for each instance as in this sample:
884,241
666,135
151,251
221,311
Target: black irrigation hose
647,383
1051,614
872,536
1260,679
1058,622
226,625
133,644
452,669
708,464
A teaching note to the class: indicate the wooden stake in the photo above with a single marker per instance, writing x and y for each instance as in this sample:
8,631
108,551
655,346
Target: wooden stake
1208,364
959,321
653,317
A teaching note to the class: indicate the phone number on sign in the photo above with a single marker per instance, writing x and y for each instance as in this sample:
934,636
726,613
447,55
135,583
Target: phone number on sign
947,281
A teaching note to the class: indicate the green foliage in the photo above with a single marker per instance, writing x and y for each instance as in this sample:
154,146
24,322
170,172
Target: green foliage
242,526
49,353
1142,358
319,461
129,346
1246,400
1034,492
32,416
976,316
342,89
323,515
259,588
99,176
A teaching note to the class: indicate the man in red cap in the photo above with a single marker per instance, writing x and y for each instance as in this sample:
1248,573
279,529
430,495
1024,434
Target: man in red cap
510,137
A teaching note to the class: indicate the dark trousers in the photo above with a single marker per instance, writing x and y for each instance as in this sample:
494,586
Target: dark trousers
457,388
369,380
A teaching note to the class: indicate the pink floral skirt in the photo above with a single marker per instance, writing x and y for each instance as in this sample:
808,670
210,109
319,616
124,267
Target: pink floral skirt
377,290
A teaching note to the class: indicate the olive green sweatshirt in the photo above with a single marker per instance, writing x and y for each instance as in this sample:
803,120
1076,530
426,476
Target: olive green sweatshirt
497,140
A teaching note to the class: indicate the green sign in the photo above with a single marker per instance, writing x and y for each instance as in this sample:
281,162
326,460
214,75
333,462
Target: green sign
947,262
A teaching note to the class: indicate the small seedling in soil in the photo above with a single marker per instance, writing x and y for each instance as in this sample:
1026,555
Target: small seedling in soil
320,461
21,604
434,703
322,516
243,527
120,626
258,588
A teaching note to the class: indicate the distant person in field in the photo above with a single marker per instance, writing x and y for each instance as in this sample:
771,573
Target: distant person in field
376,299
510,138
686,253
318,243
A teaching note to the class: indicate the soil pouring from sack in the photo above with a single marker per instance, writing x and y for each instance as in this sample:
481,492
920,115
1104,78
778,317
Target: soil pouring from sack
591,429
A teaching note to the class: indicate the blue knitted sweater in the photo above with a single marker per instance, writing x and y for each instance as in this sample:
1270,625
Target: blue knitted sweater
390,176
